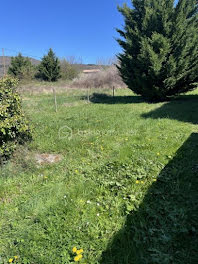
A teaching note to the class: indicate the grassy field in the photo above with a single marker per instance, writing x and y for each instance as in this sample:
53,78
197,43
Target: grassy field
125,191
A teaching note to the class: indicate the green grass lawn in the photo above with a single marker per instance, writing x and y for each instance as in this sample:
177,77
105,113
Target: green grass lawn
125,192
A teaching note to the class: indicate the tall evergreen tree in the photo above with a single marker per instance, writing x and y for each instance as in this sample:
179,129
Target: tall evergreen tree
49,68
21,67
160,47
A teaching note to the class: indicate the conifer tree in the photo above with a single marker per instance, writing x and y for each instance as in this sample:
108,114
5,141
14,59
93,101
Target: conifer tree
49,68
160,47
21,67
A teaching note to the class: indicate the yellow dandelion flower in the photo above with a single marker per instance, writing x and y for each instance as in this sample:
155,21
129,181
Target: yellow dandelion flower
137,181
76,258
74,249
10,260
80,256
142,182
78,252
16,257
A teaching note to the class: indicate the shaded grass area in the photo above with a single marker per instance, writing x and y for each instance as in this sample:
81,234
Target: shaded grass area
103,98
164,228
183,109
113,153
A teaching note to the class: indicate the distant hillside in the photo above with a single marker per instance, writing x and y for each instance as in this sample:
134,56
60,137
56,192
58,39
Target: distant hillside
8,60
79,67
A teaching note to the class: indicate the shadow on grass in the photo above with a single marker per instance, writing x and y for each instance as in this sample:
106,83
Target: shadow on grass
184,108
164,229
99,98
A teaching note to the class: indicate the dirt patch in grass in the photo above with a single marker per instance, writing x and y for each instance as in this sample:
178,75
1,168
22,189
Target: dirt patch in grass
45,158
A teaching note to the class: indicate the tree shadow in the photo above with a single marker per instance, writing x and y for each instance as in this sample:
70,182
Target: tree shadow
184,108
100,98
164,229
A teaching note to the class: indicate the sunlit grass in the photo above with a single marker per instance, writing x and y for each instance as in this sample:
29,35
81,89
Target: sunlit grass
113,151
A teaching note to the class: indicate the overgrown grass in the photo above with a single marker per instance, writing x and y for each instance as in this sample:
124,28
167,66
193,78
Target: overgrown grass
125,191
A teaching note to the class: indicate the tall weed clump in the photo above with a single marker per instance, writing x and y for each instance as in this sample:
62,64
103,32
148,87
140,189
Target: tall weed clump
14,127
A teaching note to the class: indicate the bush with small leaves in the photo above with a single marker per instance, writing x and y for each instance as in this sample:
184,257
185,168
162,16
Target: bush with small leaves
14,128
68,71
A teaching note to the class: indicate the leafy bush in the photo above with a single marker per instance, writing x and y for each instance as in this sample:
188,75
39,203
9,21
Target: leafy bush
21,67
13,125
68,71
159,41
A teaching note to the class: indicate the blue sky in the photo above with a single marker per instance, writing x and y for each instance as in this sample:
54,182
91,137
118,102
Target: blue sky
71,27
80,28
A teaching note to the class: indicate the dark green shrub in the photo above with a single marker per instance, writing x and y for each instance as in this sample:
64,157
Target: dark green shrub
21,68
159,41
14,127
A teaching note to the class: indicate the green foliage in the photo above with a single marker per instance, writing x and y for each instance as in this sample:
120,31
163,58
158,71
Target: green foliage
159,41
68,71
49,68
21,68
13,125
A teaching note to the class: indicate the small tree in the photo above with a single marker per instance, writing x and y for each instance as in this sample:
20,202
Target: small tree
68,71
49,68
21,67
160,47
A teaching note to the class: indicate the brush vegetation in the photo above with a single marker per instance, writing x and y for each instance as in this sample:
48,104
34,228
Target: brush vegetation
14,127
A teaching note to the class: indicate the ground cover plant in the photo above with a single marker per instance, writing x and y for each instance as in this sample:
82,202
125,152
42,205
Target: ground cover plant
125,191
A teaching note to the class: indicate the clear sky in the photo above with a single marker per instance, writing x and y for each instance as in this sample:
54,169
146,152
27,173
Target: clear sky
81,28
